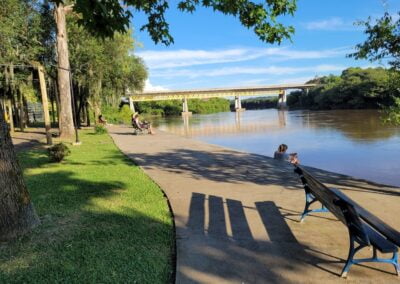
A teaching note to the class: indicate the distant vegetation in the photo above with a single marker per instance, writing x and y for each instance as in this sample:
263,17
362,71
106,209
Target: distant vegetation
198,106
258,103
355,88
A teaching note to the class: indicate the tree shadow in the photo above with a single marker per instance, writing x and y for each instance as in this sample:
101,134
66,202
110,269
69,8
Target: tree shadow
99,247
84,239
237,167
204,245
221,166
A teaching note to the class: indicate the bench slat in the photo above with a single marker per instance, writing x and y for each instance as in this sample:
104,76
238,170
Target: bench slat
390,233
379,241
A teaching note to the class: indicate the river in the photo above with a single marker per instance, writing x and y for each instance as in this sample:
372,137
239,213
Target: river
351,142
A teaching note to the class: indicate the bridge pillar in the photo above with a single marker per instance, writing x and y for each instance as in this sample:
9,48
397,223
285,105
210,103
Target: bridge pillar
131,105
238,104
185,108
282,100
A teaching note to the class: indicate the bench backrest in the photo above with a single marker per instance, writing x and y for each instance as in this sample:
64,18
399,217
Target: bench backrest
338,206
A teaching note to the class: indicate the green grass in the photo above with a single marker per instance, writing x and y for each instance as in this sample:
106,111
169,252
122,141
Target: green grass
102,221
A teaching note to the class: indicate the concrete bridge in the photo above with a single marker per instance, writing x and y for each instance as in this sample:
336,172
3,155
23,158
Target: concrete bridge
237,92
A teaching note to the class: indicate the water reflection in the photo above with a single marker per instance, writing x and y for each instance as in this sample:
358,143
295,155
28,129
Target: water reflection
358,125
220,124
351,142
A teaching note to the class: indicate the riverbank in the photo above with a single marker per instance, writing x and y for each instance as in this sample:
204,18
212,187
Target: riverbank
236,214
350,142
102,219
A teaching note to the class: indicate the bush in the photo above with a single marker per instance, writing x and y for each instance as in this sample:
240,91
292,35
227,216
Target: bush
116,115
100,129
58,152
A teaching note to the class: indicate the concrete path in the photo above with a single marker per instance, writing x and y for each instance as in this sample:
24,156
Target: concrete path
28,139
237,214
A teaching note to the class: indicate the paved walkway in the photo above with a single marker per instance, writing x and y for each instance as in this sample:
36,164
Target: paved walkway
237,214
30,138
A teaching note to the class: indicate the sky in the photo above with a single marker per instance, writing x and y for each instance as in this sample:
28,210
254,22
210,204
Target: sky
212,50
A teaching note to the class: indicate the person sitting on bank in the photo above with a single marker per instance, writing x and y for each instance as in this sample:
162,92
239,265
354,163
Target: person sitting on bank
141,125
281,155
101,120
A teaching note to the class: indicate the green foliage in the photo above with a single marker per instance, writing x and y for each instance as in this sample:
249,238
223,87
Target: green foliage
103,221
105,17
20,31
211,105
391,114
174,107
100,129
104,68
160,108
258,103
355,88
58,152
117,115
382,42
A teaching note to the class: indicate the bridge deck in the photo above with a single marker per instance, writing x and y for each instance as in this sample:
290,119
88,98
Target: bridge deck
218,92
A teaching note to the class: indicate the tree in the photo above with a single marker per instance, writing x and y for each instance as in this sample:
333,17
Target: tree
17,214
383,43
20,37
104,18
103,68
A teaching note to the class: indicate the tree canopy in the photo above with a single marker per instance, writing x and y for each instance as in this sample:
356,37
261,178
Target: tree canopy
355,88
383,41
105,17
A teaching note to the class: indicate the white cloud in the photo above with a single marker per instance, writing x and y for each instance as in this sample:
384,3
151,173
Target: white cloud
331,24
148,87
228,71
183,58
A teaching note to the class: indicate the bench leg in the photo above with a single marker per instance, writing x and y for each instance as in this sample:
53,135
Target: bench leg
352,251
396,263
310,199
350,259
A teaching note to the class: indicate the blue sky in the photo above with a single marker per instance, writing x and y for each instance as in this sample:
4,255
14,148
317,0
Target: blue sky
212,50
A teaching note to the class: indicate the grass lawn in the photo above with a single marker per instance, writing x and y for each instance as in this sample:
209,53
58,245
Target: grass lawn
102,221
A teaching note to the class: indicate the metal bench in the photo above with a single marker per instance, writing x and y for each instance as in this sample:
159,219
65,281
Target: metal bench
364,229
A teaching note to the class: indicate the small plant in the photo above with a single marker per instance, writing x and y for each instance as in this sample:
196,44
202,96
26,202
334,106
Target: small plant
100,129
58,152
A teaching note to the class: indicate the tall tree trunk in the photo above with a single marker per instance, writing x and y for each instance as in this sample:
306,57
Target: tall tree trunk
56,95
80,108
83,115
21,111
15,107
66,122
26,113
10,115
87,114
53,110
43,91
17,214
